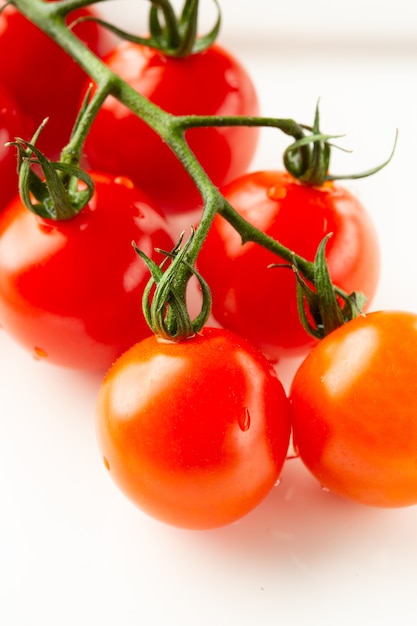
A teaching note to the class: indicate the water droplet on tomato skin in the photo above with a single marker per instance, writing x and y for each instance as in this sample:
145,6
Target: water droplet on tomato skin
276,192
39,353
244,420
45,227
324,488
124,181
278,482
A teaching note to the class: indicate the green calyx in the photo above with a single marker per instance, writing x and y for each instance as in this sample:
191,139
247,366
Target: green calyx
57,195
329,306
308,158
174,36
322,306
164,298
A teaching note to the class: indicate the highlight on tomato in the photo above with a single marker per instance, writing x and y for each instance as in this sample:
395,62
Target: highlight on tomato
193,432
197,77
71,287
12,123
353,409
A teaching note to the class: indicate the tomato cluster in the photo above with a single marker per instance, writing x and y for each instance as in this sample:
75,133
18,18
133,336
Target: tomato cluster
196,431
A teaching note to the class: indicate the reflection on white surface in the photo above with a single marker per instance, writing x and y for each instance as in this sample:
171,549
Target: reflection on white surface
73,550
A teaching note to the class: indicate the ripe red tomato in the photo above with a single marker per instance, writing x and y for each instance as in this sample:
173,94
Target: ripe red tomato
208,83
260,303
196,432
12,124
354,407
43,79
70,291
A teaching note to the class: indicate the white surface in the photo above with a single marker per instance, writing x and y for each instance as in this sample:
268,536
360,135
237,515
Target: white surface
74,551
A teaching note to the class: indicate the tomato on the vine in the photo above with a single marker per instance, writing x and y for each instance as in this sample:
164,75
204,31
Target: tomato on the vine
195,432
259,302
42,78
205,83
12,124
354,407
70,290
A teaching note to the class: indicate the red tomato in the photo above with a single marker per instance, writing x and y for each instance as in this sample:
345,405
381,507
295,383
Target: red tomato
43,79
354,408
260,303
196,432
12,124
208,83
70,291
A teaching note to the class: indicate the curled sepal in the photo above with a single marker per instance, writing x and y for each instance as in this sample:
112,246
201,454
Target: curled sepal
312,170
323,307
190,43
308,158
164,299
173,36
56,196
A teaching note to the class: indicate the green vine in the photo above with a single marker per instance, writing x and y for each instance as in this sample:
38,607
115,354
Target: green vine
173,36
322,305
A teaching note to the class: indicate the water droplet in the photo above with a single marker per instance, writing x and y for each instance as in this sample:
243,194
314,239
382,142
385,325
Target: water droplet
324,488
39,353
45,227
278,482
244,420
276,193
106,463
125,181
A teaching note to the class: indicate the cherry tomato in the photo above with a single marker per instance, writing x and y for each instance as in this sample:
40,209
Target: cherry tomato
354,407
43,79
208,83
70,291
12,124
195,433
260,303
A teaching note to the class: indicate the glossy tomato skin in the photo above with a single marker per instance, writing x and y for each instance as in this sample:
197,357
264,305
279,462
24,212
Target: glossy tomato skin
208,83
43,79
354,407
194,433
70,291
12,124
260,303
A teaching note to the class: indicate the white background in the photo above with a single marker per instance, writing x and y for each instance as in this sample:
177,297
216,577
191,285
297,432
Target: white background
73,550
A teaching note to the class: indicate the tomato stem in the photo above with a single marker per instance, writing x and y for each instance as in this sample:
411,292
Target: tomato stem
307,158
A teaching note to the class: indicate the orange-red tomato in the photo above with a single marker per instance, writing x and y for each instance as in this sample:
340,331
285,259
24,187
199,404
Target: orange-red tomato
258,302
195,433
354,410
